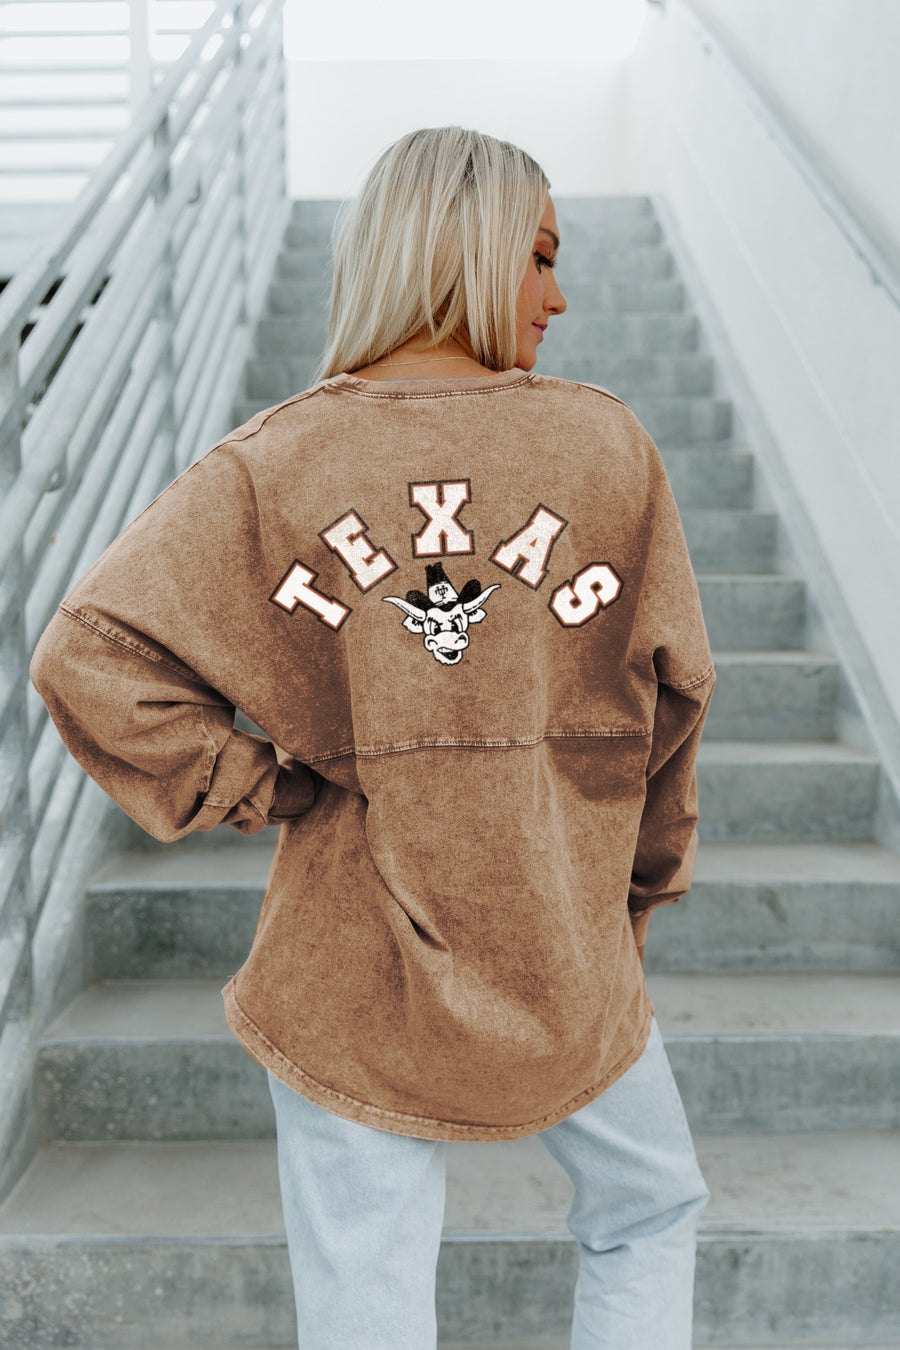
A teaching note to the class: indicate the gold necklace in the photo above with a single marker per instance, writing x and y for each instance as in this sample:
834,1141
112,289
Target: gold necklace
461,357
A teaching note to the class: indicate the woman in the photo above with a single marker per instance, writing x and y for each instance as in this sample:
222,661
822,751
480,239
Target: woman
458,595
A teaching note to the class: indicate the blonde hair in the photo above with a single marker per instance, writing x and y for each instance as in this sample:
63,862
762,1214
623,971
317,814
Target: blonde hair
438,238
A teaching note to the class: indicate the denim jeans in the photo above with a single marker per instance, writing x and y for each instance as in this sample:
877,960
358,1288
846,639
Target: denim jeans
364,1209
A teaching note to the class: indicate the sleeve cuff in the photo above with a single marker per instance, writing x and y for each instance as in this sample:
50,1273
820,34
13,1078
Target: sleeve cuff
296,788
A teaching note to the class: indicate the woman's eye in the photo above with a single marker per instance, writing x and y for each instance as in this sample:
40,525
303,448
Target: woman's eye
543,261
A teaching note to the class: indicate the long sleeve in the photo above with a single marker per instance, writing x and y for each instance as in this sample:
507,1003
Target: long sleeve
672,630
667,838
157,739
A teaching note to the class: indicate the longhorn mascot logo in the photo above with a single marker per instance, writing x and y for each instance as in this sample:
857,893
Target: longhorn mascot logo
443,616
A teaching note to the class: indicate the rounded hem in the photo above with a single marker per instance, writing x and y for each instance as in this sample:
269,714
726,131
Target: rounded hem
258,1045
431,387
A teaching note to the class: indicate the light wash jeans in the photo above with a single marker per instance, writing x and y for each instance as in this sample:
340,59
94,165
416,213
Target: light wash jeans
364,1209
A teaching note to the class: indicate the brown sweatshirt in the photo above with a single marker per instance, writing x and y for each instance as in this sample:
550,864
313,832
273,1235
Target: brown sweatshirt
468,607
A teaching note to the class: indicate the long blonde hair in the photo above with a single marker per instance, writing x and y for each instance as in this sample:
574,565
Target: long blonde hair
438,238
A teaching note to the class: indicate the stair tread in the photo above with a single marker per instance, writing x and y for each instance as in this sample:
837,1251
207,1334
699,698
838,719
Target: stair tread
773,656
225,866
769,578
815,862
783,752
696,1004
729,513
222,866
805,1183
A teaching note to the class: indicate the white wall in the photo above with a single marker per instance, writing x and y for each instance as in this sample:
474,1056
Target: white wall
569,114
831,70
549,79
818,342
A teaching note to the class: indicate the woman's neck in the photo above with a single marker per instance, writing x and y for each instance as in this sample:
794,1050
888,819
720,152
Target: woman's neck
412,360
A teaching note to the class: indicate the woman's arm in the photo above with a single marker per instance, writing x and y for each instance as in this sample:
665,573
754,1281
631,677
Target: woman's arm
157,739
667,837
671,626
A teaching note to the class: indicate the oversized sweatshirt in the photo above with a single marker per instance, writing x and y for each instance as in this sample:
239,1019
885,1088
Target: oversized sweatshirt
464,612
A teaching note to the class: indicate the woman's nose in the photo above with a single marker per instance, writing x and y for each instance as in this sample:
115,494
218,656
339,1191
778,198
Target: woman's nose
554,300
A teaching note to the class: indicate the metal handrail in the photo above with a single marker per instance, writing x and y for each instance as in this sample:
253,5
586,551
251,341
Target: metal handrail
30,284
881,269
119,344
137,48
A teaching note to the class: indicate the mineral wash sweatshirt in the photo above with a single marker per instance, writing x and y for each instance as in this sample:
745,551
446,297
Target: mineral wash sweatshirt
465,613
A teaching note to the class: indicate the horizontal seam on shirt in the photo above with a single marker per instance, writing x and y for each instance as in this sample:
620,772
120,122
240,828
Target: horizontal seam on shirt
373,752
120,641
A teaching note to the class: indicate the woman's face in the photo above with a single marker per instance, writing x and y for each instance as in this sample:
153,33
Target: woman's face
539,295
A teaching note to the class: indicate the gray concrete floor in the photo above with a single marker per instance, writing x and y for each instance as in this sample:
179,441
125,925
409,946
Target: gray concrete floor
733,1003
798,1182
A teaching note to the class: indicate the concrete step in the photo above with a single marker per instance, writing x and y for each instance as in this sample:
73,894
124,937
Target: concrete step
312,234
539,1343
290,296
772,1052
176,912
747,612
624,262
189,910
780,907
642,294
581,333
314,212
709,476
786,790
289,335
156,1060
597,293
625,334
675,417
777,695
309,262
311,259
601,222
275,377
115,1246
730,539
317,213
564,356
577,232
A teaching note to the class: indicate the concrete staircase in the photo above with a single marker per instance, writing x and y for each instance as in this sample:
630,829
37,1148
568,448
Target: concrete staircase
151,1217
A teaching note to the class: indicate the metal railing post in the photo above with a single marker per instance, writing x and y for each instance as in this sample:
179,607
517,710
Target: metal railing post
164,314
122,342
140,65
16,922
240,14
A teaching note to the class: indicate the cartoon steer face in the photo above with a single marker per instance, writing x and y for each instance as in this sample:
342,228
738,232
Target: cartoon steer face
442,615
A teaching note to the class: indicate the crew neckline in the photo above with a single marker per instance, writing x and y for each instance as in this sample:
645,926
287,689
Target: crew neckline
406,387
